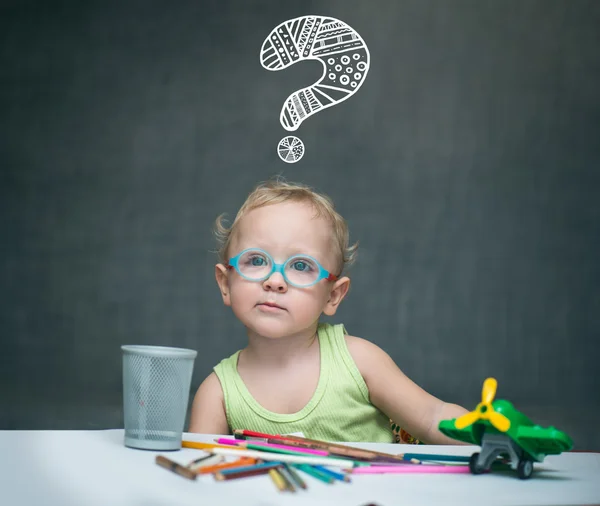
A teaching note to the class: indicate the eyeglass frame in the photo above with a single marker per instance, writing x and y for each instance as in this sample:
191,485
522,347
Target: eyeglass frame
232,263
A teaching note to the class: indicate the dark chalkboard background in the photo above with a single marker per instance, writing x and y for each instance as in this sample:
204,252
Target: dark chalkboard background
467,165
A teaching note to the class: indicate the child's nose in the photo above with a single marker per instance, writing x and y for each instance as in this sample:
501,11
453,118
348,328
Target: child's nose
275,282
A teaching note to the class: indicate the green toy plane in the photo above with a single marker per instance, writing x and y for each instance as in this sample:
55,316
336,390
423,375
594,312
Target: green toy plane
502,431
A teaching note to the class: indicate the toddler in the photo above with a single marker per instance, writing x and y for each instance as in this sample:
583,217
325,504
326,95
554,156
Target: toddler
281,267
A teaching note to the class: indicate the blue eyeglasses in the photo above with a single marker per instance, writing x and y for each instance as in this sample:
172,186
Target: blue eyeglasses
300,271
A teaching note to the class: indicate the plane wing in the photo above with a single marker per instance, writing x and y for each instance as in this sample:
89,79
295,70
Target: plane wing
542,440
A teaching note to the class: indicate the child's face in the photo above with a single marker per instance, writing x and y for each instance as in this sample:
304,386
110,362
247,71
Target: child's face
273,308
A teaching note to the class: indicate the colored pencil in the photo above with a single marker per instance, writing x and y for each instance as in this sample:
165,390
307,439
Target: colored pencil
310,470
277,479
333,474
207,460
308,443
410,469
175,467
264,447
295,476
204,446
340,449
241,469
289,482
226,465
435,456
223,476
333,448
257,444
251,433
297,459
390,462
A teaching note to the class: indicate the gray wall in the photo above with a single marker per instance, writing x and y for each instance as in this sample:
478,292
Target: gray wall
467,166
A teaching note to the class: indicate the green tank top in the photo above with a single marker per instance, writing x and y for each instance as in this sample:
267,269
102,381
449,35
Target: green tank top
339,409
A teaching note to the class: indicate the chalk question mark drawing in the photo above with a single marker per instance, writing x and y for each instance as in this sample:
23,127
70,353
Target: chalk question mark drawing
345,58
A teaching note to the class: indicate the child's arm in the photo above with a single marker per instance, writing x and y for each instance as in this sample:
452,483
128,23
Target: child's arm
208,410
402,400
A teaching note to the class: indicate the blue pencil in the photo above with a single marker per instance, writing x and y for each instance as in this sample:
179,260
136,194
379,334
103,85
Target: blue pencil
315,473
333,474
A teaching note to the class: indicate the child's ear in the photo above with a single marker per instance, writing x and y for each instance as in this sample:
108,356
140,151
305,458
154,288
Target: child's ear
336,296
221,276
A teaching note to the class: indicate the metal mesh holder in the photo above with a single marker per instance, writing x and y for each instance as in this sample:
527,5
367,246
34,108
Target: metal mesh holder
156,388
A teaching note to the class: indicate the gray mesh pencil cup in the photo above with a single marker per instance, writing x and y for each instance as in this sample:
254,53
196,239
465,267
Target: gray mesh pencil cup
156,389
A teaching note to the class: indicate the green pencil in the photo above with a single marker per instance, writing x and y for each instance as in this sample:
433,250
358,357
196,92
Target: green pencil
272,449
314,473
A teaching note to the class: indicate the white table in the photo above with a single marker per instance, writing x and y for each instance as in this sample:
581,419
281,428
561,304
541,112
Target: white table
93,468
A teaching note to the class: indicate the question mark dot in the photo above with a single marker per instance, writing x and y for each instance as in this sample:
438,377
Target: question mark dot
290,149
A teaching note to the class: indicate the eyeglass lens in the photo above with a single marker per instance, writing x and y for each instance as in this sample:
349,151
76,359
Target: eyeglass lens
299,270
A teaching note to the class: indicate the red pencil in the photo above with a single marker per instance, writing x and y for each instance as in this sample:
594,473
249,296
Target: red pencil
251,433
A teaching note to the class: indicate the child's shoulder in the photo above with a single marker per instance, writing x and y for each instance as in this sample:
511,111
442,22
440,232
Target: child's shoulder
365,354
360,349
358,343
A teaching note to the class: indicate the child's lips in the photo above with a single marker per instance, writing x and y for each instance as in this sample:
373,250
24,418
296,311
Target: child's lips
270,306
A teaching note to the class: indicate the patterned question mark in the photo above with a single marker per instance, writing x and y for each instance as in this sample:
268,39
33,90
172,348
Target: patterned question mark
345,58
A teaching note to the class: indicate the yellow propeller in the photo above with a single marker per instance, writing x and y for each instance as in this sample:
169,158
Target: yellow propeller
485,410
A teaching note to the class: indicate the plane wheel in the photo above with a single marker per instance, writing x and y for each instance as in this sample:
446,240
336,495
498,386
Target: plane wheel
524,469
474,466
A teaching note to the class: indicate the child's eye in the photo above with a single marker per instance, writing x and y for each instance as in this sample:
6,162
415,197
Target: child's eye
257,261
301,265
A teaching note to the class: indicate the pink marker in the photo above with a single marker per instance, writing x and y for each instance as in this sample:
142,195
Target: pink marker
410,469
237,442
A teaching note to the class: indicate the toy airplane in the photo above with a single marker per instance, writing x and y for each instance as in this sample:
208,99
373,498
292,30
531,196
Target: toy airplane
501,430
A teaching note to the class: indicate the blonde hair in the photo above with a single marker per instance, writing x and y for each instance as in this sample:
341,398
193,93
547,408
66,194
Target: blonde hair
276,191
